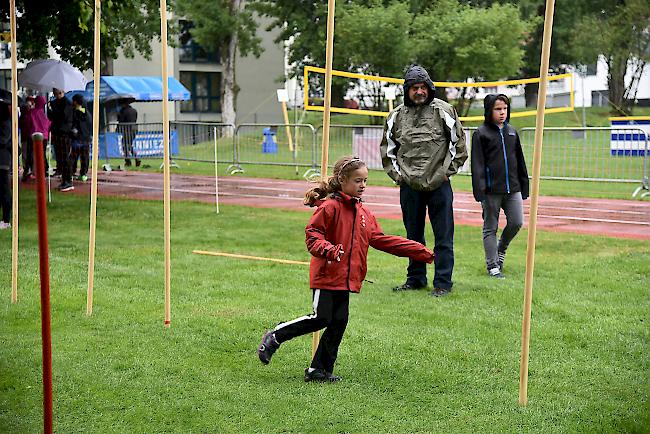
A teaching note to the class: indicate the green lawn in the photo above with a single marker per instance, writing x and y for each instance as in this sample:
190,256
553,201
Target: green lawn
410,362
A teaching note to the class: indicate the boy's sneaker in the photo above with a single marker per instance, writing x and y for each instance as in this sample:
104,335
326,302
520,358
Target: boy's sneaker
4,225
66,187
82,178
267,347
501,257
320,376
496,273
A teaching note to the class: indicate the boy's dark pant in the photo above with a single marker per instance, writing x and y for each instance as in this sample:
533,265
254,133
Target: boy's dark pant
5,196
80,151
439,202
331,312
63,152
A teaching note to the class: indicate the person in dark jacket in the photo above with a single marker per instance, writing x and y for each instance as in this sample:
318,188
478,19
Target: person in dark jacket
499,179
5,163
423,146
59,112
337,236
26,138
128,118
82,125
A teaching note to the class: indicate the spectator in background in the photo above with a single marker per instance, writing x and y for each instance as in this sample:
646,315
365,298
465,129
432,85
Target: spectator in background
36,122
5,159
82,125
128,118
60,113
26,139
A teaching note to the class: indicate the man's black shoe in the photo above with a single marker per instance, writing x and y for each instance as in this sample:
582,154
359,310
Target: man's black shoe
407,287
321,376
127,163
440,292
267,347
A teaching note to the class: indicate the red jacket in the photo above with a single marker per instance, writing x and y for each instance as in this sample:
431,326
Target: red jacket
344,220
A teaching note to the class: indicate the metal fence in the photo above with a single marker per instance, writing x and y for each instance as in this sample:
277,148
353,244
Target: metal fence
607,154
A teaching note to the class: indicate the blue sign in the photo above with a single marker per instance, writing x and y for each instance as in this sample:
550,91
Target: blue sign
145,144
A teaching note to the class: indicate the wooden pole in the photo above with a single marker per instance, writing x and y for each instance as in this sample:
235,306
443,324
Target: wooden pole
95,160
534,197
286,122
216,171
14,155
254,258
329,54
166,183
46,335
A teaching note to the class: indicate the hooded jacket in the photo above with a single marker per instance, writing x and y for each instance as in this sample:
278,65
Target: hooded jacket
498,164
37,121
422,145
60,113
343,220
82,125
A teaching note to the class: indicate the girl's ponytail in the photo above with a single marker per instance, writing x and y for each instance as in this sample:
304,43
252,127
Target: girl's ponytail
342,168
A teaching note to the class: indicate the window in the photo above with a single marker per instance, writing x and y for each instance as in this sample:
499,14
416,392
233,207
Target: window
190,51
206,91
5,79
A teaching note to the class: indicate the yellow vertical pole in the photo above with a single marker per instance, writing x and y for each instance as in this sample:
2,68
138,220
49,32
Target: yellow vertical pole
14,154
95,160
286,121
329,53
390,105
532,225
166,184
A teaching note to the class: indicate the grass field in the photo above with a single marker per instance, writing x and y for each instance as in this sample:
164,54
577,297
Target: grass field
410,362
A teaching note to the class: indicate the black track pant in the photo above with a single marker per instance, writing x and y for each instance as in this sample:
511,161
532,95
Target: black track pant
330,312
5,196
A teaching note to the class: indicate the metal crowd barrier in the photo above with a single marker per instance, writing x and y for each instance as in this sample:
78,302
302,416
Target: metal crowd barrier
196,141
275,145
607,154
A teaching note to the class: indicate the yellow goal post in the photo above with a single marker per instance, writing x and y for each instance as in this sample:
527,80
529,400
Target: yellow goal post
392,80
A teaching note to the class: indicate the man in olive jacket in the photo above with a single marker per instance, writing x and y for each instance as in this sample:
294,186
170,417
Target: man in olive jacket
422,147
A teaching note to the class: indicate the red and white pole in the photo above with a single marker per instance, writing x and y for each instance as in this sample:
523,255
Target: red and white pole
46,333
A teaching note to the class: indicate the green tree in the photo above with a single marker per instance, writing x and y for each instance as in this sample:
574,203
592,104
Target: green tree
620,32
67,26
455,41
229,26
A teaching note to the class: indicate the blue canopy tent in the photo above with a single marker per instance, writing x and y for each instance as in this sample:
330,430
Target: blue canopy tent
113,90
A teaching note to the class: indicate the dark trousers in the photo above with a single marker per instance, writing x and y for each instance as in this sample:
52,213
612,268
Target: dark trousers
439,204
5,196
331,310
80,152
28,157
63,152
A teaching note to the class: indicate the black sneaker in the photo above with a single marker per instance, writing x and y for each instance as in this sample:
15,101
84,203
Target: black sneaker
407,287
495,273
320,376
440,292
66,187
127,163
267,347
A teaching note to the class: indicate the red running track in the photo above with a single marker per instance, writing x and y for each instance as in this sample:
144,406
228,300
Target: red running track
615,218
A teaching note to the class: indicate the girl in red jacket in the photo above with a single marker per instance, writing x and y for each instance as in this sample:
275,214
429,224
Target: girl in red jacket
337,235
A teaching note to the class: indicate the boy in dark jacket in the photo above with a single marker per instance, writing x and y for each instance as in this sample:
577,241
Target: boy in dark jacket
499,179
81,137
59,112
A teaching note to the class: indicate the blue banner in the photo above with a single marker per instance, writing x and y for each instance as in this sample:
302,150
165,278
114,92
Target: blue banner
145,144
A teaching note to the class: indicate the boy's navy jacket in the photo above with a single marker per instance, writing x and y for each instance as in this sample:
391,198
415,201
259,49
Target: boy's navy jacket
342,219
83,124
497,161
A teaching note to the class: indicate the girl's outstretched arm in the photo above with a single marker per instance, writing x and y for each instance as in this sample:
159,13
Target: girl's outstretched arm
398,246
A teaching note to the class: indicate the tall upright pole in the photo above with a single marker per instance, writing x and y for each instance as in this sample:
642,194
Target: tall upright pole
329,53
165,113
534,198
14,154
44,267
95,161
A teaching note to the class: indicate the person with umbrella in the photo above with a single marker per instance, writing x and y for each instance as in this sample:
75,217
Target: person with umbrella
60,114
127,118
